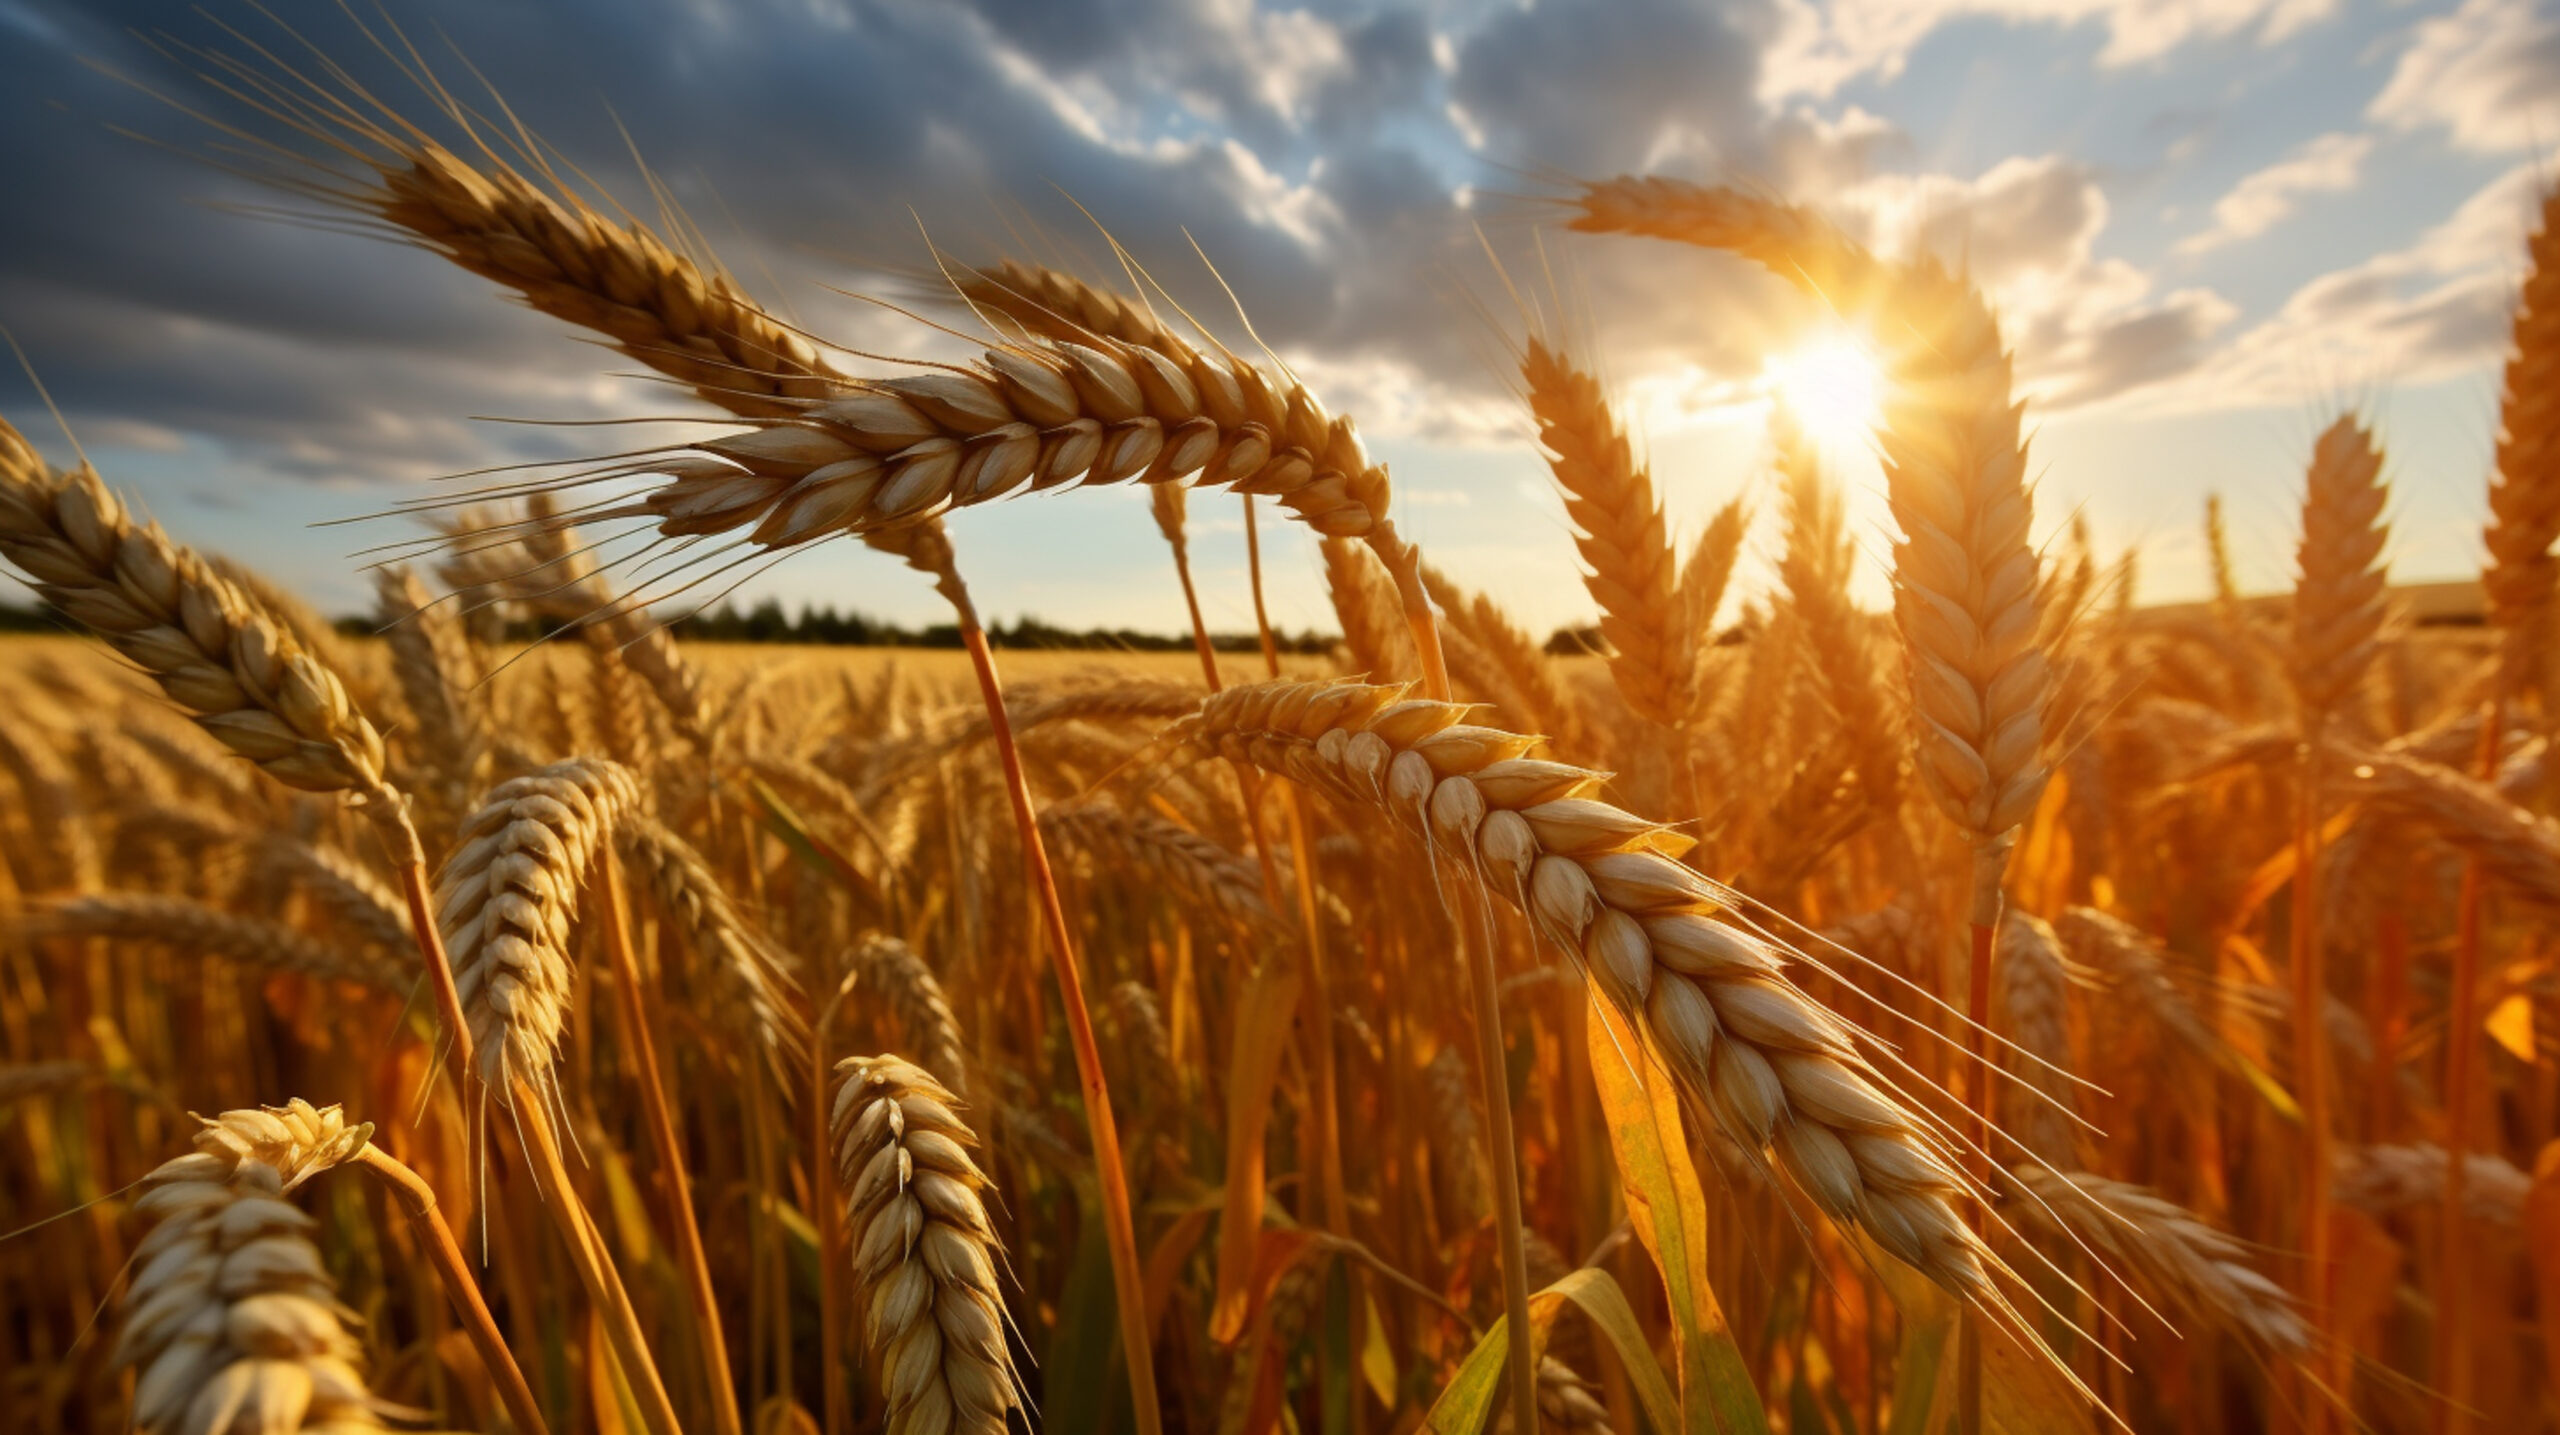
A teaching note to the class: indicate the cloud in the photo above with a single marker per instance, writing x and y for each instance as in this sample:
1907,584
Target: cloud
1823,44
1630,84
2489,73
2085,328
2329,164
2434,310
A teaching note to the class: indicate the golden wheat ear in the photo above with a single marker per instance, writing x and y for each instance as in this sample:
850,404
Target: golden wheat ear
215,650
2522,579
1778,1074
232,1321
923,1252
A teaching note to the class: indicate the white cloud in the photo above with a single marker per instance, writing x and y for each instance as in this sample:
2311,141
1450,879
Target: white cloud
2433,310
2086,329
2489,73
1822,44
2329,164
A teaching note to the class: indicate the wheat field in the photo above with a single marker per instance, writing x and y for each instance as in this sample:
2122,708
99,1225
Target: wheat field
2019,1009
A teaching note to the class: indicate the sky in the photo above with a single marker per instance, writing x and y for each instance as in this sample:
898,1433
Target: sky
2210,226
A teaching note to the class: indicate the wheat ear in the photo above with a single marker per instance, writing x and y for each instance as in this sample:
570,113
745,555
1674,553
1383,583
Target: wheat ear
750,980
1955,477
1815,569
1772,1068
184,924
2034,986
232,1322
439,676
2337,604
2522,579
503,902
1632,572
923,1251
215,652
2204,1272
899,975
2387,1180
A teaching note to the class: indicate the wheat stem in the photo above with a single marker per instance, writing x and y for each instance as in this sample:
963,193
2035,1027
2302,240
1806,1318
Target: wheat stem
1119,1222
585,1243
460,1288
669,1149
2462,1066
1493,1080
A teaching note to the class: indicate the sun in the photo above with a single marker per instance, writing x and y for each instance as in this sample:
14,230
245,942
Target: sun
1830,386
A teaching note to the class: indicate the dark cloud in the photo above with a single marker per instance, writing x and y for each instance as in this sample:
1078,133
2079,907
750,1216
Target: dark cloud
1597,89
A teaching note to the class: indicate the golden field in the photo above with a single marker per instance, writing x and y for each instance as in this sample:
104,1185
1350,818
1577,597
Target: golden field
2020,1010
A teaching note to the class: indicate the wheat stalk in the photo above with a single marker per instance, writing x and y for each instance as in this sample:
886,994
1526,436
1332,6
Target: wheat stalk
1774,1070
922,1251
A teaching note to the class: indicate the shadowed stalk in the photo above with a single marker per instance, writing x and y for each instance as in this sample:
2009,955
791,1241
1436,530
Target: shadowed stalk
1128,1279
1503,1156
2310,991
409,858
2461,1074
1319,988
419,1199
605,1293
670,1149
1170,505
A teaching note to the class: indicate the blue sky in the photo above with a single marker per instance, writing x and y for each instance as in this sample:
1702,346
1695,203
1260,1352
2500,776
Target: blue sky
2209,225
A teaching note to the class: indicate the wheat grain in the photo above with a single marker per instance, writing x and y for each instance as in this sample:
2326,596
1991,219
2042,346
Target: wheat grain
922,1251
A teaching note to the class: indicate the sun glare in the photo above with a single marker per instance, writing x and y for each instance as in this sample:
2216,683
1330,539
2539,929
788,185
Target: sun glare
1831,386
